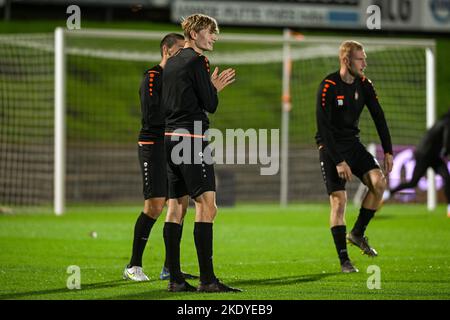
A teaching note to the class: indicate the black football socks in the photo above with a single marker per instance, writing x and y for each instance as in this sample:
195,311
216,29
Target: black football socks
142,230
171,234
166,263
365,215
203,236
339,233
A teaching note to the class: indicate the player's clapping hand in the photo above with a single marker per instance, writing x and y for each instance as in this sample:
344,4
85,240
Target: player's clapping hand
223,79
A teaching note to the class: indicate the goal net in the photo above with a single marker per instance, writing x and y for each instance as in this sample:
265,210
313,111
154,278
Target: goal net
103,72
26,119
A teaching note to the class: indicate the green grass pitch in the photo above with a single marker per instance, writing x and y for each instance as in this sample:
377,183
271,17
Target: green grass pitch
270,253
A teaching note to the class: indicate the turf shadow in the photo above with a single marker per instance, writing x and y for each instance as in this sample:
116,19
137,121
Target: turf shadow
97,285
287,280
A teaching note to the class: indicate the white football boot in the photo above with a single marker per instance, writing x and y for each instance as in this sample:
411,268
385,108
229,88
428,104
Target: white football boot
134,274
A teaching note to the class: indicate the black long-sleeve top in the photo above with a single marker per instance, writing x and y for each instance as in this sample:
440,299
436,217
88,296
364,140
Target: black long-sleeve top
436,141
152,116
188,93
338,109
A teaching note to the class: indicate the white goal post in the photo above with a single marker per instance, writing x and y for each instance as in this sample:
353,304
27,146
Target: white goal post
431,118
60,124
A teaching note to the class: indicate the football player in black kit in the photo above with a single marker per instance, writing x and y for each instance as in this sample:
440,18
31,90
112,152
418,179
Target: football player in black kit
152,158
341,98
431,153
189,93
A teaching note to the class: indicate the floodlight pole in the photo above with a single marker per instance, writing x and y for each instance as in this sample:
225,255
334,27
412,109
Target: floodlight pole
60,124
285,111
431,119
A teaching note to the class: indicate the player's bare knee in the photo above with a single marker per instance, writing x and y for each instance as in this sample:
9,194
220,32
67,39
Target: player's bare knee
183,212
212,211
155,211
378,187
338,199
338,203
338,212
173,216
381,186
152,214
206,213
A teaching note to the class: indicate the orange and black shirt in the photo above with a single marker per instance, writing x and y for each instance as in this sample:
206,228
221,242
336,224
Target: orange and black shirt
338,109
152,115
188,93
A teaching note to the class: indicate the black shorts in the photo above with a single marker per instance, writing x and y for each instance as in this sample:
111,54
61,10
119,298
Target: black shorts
152,159
359,160
193,176
425,161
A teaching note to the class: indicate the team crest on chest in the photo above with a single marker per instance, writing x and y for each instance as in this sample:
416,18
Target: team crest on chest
356,95
340,101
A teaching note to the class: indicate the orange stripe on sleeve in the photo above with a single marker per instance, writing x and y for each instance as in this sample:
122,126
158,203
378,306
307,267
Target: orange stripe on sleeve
145,142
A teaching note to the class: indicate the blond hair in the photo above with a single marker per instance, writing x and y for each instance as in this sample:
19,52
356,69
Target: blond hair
197,22
348,47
